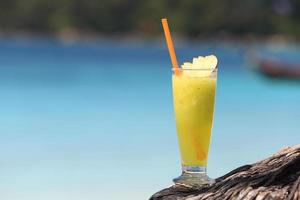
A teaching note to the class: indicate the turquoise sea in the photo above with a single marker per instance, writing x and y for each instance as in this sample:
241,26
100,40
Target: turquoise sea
94,120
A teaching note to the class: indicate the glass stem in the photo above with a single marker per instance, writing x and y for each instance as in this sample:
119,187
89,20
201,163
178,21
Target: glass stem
193,169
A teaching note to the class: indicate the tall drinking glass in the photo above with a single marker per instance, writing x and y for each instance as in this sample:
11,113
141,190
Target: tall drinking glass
194,99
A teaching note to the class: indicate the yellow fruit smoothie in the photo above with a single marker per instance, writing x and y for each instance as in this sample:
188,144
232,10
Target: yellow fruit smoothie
194,99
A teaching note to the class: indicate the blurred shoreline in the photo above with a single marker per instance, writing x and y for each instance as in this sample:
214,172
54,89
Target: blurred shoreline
71,36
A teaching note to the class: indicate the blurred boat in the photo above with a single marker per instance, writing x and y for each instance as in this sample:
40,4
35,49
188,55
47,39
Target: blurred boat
279,69
273,67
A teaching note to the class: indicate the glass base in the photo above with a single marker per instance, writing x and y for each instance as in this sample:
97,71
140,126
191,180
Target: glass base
193,177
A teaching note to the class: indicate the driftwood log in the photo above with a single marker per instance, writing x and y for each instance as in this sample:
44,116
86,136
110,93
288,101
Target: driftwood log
277,177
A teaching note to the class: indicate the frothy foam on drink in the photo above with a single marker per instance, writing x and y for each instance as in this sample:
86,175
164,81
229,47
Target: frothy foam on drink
206,66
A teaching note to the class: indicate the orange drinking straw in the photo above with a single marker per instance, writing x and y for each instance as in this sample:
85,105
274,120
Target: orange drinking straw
170,45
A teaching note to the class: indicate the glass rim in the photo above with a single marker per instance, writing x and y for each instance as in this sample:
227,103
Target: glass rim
193,69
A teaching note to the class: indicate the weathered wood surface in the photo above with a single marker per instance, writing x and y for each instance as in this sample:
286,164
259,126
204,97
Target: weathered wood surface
275,178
